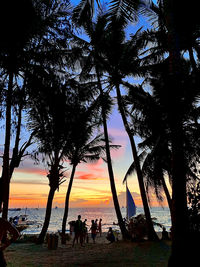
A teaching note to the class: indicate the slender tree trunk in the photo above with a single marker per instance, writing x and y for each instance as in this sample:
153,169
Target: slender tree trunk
110,170
168,197
151,232
6,166
67,204
15,155
180,223
47,215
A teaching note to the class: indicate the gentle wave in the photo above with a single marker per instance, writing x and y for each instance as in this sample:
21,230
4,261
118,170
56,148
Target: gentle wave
107,215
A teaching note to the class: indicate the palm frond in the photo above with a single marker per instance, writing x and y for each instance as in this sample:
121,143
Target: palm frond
124,8
132,167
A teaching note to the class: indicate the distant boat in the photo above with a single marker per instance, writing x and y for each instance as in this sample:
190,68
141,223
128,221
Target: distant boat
130,204
21,221
56,207
14,209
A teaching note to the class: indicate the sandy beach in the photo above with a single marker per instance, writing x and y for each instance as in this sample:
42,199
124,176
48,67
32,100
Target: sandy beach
121,253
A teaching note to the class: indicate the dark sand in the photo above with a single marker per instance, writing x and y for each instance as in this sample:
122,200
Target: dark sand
121,253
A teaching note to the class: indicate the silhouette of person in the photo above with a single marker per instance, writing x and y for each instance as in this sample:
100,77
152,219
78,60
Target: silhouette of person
93,230
85,233
100,227
165,235
110,235
96,222
6,228
78,229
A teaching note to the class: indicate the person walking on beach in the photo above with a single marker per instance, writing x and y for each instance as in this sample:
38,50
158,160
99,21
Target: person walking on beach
78,229
93,231
6,228
100,227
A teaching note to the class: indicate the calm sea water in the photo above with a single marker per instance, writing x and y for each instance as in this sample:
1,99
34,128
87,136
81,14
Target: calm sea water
107,214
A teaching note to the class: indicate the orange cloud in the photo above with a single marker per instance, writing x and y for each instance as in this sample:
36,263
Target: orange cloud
87,176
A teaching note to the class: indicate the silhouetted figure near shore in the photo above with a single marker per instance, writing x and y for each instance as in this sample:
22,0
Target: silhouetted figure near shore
78,229
165,235
93,231
85,232
71,227
100,227
110,235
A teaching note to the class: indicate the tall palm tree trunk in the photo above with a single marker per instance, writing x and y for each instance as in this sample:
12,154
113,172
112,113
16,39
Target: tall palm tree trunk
180,222
67,204
151,232
168,197
110,170
6,167
47,215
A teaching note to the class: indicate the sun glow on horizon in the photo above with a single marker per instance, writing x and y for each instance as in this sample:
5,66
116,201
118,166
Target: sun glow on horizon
91,186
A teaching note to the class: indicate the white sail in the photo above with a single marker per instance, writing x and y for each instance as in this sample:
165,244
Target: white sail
131,208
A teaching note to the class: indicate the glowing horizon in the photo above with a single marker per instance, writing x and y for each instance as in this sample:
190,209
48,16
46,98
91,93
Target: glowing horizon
91,186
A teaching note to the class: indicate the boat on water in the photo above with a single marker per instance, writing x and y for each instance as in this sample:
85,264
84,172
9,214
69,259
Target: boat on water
21,221
14,209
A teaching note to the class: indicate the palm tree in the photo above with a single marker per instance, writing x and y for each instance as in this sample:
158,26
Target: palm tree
90,60
56,120
48,119
94,60
84,148
158,114
178,30
122,59
109,162
15,36
29,41
148,121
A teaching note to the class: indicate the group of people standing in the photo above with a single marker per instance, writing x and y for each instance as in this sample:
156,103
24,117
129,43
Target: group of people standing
80,230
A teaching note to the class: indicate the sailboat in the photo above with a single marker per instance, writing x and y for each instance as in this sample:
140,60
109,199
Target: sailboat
130,204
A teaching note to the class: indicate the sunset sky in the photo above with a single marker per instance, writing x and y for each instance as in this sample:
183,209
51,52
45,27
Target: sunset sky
91,187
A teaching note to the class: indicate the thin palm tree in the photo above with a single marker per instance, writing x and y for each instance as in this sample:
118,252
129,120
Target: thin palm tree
92,64
84,148
120,59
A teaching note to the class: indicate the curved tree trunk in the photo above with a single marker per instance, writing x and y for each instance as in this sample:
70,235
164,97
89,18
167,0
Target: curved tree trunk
6,167
67,204
151,232
121,223
168,197
47,216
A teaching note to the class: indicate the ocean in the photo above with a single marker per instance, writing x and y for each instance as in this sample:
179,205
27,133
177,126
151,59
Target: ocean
107,215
